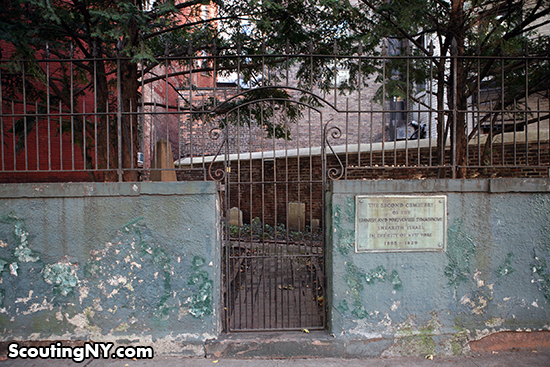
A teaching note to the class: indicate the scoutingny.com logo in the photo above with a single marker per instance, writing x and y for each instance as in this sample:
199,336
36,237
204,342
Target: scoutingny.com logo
89,350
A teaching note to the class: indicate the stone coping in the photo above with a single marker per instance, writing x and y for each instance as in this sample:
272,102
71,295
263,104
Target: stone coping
86,189
497,185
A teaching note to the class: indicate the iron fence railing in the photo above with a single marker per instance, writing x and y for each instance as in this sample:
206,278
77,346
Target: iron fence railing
407,116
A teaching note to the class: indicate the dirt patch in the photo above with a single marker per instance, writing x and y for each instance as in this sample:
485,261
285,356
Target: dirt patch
512,340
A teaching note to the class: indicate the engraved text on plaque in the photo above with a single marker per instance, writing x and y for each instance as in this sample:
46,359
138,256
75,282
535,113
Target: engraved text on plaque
387,223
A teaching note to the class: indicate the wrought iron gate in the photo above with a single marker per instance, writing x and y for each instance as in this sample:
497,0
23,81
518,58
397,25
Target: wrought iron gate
273,197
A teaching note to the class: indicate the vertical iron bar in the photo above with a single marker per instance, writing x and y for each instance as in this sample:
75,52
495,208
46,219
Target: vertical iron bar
526,116
13,135
288,242
95,108
167,109
71,68
130,118
60,135
395,138
502,114
454,121
347,142
203,141
191,66
324,190
311,183
265,252
36,128
153,132
25,114
491,131
227,239
310,158
84,134
191,139
430,103
214,73
384,54
48,110
287,187
2,122
143,118
178,117
275,220
244,291
407,96
478,81
119,116
335,73
371,132
299,245
538,133
444,114
514,134
251,220
359,87
418,136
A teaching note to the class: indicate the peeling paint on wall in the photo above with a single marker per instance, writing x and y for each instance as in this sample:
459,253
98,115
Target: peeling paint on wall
20,269
354,279
62,275
346,237
460,252
127,285
349,210
478,299
200,303
21,252
506,268
132,273
539,268
545,238
541,276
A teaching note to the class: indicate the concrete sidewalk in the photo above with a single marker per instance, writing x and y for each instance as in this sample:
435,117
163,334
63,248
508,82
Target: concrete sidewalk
539,358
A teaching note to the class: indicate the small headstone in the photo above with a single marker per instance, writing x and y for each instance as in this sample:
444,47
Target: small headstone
235,217
296,216
162,158
315,223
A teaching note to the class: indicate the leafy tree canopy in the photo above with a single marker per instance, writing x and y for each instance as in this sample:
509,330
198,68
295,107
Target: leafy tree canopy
145,32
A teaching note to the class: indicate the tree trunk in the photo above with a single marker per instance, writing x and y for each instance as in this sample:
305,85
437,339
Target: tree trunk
441,131
457,97
105,139
130,98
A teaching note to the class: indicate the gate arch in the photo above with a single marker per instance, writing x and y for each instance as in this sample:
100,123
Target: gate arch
273,202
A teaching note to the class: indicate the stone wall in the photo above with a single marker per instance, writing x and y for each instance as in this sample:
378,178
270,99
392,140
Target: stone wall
492,277
127,263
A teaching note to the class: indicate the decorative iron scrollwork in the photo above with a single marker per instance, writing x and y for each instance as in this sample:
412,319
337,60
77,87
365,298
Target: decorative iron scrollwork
216,174
334,132
215,133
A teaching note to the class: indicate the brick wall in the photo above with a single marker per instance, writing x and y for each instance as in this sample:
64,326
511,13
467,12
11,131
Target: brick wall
264,189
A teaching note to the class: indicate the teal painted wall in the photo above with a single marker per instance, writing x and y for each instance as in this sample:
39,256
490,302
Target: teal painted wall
493,276
139,264
128,263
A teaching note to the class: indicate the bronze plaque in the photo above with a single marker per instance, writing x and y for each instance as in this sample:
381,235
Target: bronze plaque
397,223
